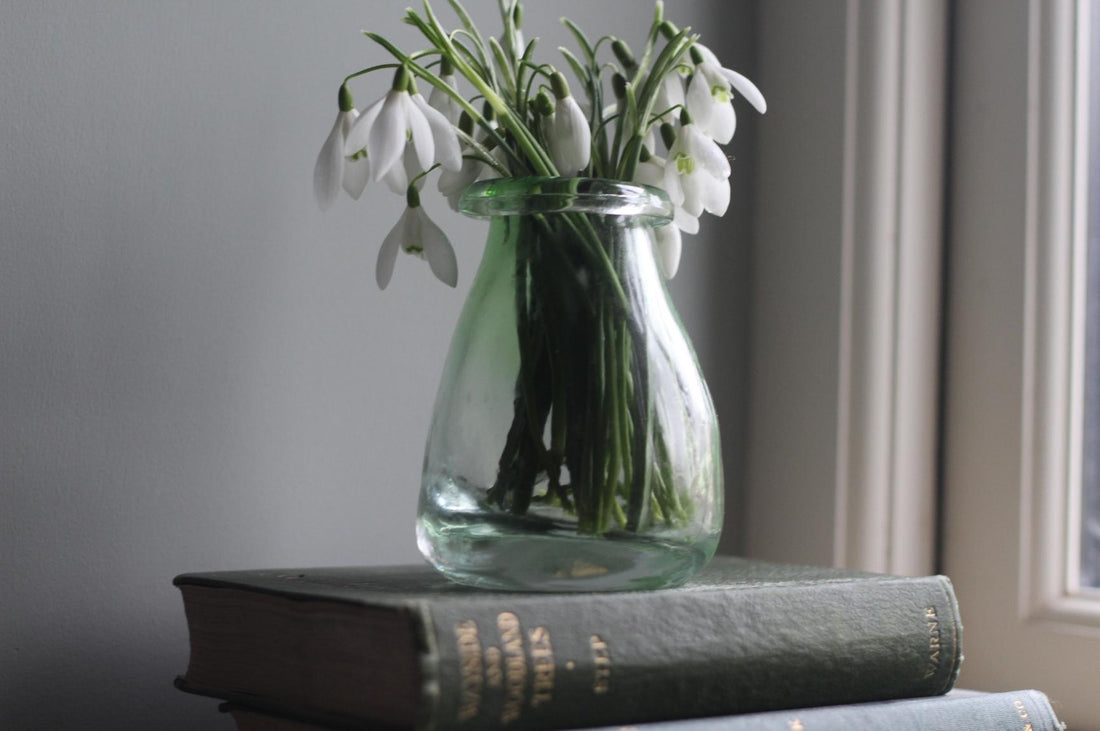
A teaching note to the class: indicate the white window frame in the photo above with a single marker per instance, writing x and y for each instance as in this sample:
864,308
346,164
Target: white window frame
845,421
1014,369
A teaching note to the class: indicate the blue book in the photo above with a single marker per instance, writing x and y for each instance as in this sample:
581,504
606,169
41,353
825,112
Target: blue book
1023,710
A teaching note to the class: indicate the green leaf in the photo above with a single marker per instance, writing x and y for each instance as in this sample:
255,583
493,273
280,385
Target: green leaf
582,40
583,75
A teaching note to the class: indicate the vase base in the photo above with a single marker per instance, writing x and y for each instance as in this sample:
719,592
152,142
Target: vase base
514,553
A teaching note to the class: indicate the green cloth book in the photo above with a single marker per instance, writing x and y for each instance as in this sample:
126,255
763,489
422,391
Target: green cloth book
402,647
1024,710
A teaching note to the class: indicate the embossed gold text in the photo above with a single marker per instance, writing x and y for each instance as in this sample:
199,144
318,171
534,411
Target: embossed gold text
470,674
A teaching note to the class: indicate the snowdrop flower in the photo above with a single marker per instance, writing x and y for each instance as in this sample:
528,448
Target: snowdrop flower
667,240
710,95
567,132
740,83
416,234
333,169
388,126
697,173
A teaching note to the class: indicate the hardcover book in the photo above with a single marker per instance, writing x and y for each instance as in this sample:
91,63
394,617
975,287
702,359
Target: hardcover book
1023,710
403,647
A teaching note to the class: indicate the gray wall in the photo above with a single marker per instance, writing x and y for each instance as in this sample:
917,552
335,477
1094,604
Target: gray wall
196,368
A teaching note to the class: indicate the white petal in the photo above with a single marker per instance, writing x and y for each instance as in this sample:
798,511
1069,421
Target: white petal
672,185
668,244
453,182
705,151
716,199
709,58
444,102
387,135
360,130
448,152
387,254
700,103
747,89
569,137
329,168
722,123
438,250
421,134
356,175
651,172
397,180
695,191
686,223
670,93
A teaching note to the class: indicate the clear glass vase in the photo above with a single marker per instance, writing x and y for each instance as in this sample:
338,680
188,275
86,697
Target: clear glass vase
574,444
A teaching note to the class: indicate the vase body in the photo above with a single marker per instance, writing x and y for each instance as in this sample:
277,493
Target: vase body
574,444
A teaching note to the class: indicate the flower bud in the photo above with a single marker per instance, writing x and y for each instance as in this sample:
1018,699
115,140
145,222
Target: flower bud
544,105
622,52
668,135
619,85
466,123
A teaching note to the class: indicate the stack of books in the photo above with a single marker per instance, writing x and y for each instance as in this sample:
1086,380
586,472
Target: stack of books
743,645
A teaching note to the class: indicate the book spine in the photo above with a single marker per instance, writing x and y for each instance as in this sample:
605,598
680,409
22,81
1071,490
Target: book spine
528,664
1026,710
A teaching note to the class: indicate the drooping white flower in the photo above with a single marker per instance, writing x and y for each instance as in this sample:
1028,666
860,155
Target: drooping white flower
667,238
567,132
710,102
416,234
710,95
697,173
333,168
388,125
741,84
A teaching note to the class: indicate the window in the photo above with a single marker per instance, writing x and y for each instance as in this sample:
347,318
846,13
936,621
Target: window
848,241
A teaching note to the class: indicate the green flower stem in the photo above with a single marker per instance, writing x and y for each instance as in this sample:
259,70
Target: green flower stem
435,81
666,61
536,155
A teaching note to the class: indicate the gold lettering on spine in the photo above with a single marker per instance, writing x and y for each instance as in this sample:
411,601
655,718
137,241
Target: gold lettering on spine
515,666
1021,711
494,672
542,663
471,680
931,619
601,658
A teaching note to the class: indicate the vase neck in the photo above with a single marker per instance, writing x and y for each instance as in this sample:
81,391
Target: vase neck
641,204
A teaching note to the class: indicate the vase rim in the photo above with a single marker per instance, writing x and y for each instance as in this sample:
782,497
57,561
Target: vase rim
540,195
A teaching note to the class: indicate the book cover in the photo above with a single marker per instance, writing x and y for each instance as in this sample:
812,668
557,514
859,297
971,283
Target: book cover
1023,710
402,647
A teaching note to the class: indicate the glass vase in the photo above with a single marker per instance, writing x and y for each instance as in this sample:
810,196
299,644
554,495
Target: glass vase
574,444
